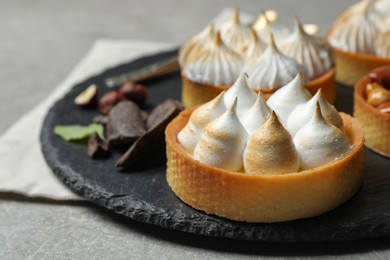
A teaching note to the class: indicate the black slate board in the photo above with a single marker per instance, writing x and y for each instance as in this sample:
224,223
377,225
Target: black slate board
143,194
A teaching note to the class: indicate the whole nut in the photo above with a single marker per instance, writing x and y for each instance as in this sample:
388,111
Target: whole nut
377,96
108,100
134,91
384,107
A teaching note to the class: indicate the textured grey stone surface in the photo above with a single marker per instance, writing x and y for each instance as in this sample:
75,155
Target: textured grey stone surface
40,42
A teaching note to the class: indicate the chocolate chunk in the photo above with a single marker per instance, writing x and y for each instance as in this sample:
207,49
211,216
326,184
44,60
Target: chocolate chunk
97,148
153,140
100,119
125,124
162,111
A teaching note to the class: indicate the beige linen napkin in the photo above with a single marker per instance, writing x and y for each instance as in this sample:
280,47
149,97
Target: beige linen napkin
23,169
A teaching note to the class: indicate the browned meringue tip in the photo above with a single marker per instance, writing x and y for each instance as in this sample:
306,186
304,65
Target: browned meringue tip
318,113
217,39
298,25
233,106
236,16
272,43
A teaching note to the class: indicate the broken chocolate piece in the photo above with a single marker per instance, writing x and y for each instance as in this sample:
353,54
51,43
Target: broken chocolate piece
153,140
97,147
125,124
160,112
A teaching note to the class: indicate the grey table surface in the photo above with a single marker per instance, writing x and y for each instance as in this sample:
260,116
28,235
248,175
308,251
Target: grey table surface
40,42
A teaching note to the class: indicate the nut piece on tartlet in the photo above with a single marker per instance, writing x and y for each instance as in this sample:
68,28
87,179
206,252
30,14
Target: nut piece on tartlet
355,38
371,108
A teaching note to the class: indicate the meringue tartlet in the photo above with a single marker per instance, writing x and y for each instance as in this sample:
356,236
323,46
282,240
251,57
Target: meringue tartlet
374,114
212,60
360,39
264,198
291,157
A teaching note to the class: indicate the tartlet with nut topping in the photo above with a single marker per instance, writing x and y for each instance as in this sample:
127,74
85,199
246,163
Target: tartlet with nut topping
372,109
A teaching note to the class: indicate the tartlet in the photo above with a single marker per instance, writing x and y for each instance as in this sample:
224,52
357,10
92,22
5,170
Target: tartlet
351,66
376,124
198,91
263,198
354,37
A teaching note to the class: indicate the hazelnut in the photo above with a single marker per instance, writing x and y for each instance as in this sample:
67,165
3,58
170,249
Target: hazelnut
384,107
108,100
371,86
87,98
377,96
134,91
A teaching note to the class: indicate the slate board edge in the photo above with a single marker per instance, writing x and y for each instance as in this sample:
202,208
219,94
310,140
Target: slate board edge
203,225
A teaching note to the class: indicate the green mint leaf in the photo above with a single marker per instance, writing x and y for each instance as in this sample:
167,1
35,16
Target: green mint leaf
78,132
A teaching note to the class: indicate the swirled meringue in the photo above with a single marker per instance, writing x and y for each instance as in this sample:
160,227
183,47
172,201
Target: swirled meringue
305,49
273,70
240,89
199,119
195,44
254,48
383,45
217,65
222,142
380,14
253,118
319,142
267,23
302,114
355,30
285,99
234,33
270,150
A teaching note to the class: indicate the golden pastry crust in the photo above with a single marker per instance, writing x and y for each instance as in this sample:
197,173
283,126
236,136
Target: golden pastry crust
264,198
376,124
194,94
351,67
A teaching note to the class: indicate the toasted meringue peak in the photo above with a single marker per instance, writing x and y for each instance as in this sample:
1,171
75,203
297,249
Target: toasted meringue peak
304,48
216,65
240,89
254,48
222,142
234,33
268,22
319,142
273,70
256,115
383,45
195,44
200,118
285,99
379,13
302,114
355,29
270,150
